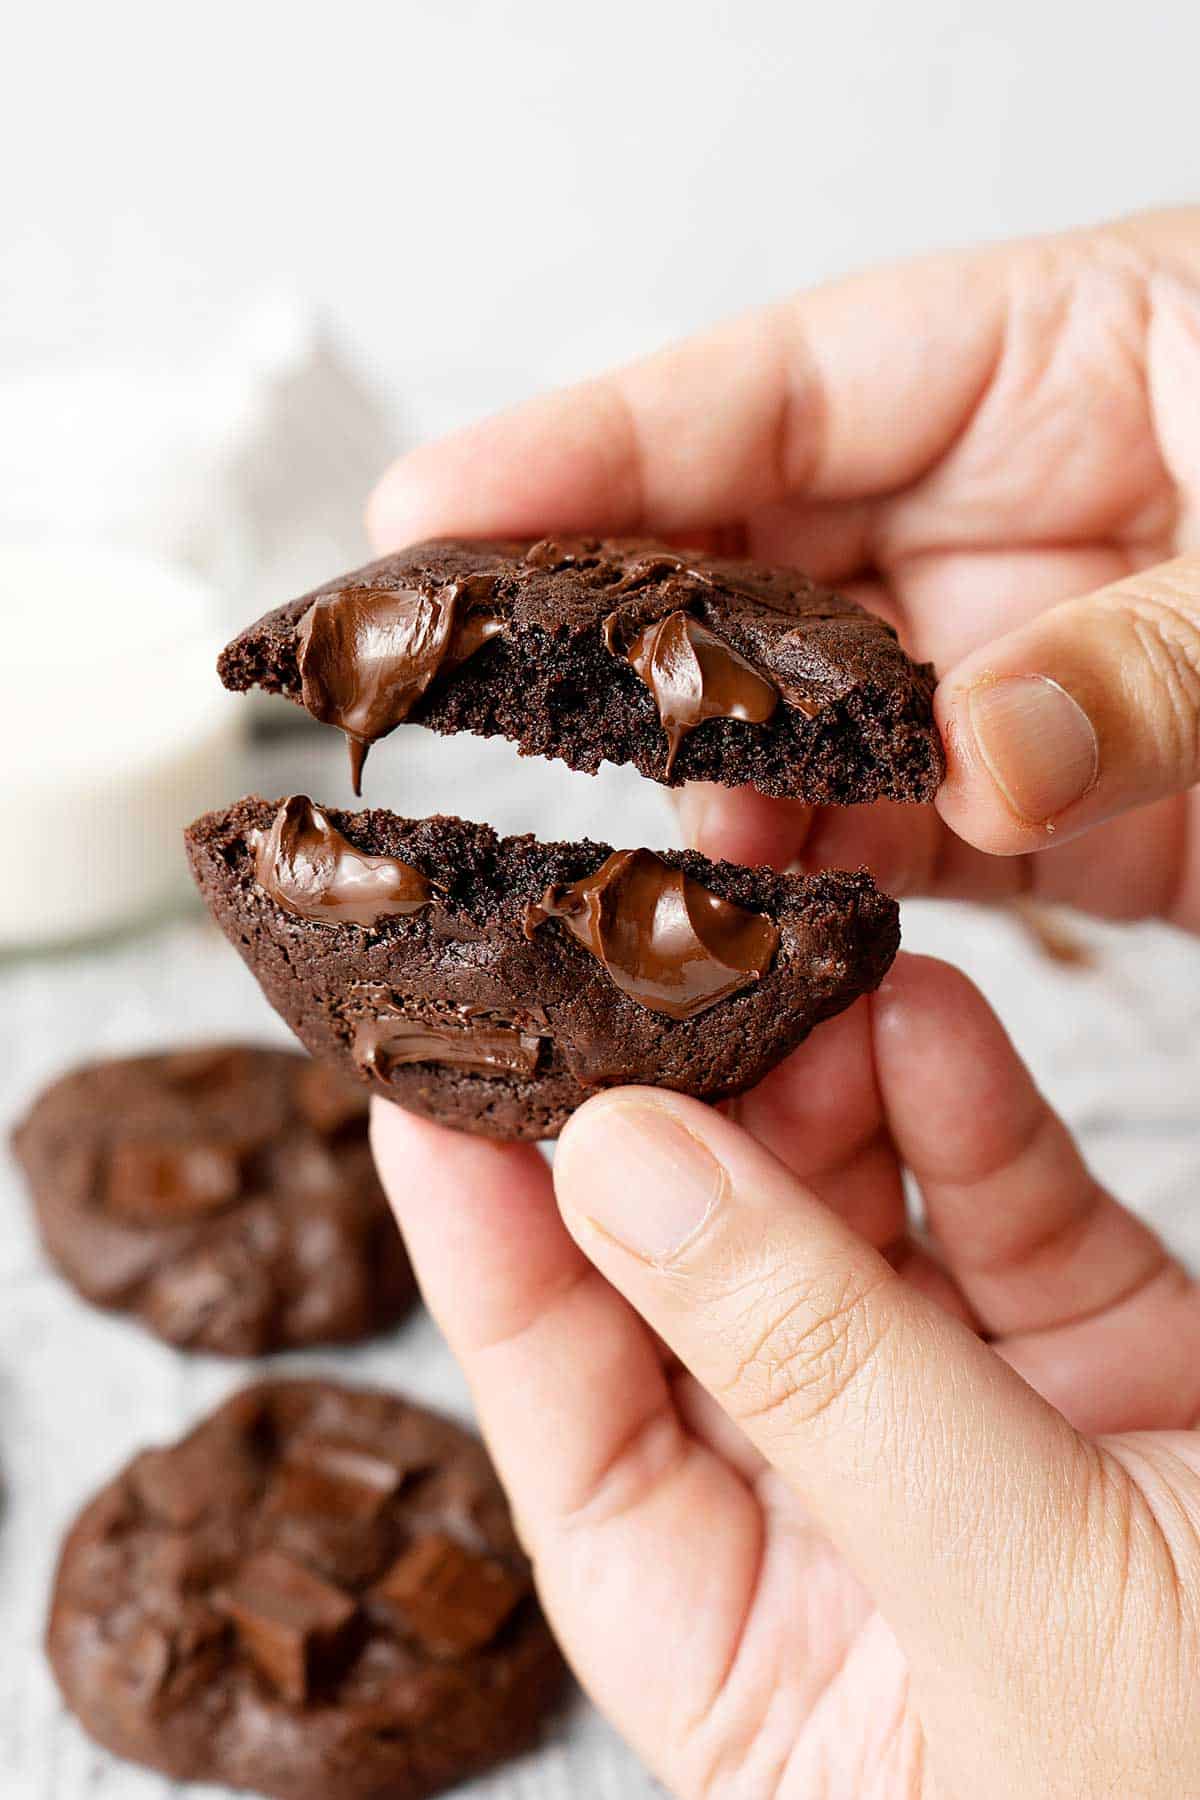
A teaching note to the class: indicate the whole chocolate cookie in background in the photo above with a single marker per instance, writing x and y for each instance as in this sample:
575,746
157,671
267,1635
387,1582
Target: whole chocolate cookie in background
691,667
493,984
317,1595
224,1195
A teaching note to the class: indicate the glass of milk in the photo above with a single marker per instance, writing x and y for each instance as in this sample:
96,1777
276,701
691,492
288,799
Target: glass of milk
114,733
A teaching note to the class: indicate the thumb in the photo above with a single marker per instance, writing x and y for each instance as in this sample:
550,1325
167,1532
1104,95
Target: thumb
945,1482
1089,710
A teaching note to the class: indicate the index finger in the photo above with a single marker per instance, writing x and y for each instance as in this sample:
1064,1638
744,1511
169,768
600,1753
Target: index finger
626,1514
845,391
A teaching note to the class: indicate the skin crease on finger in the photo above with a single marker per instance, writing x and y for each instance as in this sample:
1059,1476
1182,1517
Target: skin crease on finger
1047,449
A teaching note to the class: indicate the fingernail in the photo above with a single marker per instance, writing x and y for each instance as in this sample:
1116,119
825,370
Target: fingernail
1038,744
693,805
640,1177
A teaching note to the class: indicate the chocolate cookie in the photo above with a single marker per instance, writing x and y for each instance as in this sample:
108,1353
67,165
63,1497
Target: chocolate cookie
690,667
494,983
225,1195
318,1592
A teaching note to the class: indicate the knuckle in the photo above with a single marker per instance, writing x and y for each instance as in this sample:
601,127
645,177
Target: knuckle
809,1347
1161,612
639,1466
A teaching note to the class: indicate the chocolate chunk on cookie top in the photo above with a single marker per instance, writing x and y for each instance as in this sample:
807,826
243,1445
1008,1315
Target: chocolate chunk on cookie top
310,869
318,1592
223,1195
690,667
529,975
666,940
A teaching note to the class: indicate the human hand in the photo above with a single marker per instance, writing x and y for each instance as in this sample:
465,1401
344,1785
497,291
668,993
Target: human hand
798,1527
964,443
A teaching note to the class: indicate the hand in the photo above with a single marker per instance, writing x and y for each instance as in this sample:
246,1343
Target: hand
799,1528
964,443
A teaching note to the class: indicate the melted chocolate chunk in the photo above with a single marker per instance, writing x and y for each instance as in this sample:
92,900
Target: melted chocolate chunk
694,675
463,1037
667,941
306,866
367,654
449,1599
292,1624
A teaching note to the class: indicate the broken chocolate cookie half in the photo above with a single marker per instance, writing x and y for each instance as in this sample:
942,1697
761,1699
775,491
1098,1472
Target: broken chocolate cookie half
689,667
493,984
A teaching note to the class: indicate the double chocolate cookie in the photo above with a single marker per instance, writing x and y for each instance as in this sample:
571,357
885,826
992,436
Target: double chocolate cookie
690,667
224,1195
318,1592
495,983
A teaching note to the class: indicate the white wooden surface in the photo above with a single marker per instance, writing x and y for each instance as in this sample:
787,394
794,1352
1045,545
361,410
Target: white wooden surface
1117,1046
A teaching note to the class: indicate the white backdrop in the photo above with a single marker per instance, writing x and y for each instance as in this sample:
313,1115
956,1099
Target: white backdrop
487,194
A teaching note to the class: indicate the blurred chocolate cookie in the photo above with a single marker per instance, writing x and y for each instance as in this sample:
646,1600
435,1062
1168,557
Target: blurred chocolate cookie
318,1592
689,666
225,1195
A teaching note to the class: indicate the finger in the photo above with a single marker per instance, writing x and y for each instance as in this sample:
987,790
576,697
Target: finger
1132,867
576,1408
900,1430
951,602
819,1111
1088,712
502,1278
794,397
743,826
907,848
705,1420
1143,864
1133,1367
1032,1240
956,600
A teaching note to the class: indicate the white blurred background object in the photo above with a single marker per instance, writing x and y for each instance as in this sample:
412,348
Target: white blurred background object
247,252
113,733
485,195
148,509
243,456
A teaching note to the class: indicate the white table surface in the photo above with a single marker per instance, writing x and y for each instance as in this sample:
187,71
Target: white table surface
1117,1045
